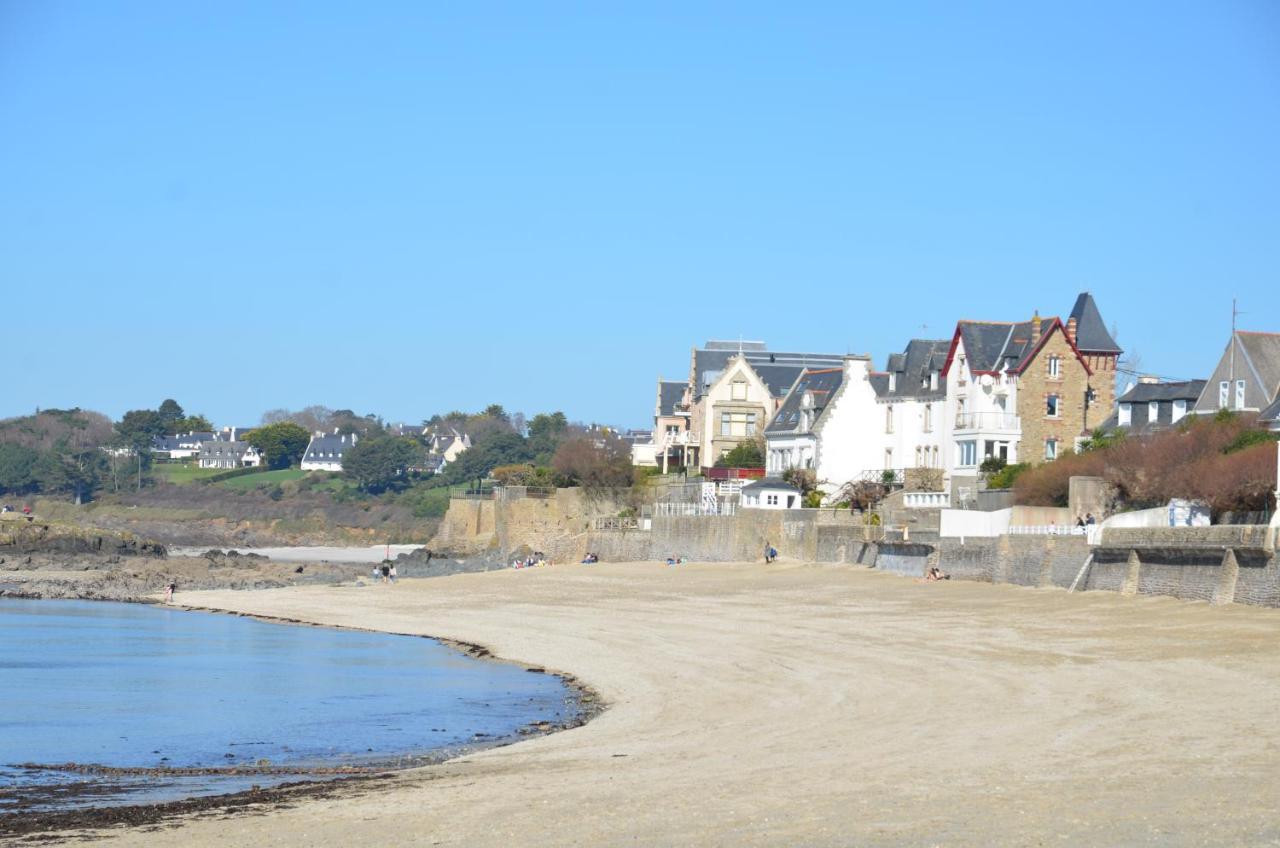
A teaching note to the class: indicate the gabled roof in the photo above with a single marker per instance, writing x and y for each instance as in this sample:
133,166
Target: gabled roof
175,442
1188,390
994,346
330,443
819,383
912,369
1271,414
710,362
1263,350
670,393
1092,335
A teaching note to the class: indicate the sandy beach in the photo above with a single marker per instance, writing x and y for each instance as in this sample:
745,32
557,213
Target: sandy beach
817,705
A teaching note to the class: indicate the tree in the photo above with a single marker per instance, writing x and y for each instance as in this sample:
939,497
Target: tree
193,424
138,429
379,463
595,462
745,455
18,468
171,413
478,461
282,443
546,431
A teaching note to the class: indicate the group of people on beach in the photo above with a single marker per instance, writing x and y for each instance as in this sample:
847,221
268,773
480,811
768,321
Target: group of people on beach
386,571
535,558
770,553
590,559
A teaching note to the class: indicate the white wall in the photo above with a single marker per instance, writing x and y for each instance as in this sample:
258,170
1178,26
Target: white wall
971,522
851,432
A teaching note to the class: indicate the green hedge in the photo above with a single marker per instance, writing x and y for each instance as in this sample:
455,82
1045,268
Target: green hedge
232,473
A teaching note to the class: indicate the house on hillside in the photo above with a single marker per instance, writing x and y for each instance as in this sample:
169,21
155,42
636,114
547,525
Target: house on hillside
1025,391
221,453
180,445
1247,378
448,447
1152,405
324,451
829,423
735,388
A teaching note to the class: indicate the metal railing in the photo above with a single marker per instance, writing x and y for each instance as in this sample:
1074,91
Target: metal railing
515,493
666,510
994,421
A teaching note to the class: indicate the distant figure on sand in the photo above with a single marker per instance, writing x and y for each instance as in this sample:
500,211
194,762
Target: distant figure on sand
168,592
393,573
934,574
386,573
770,553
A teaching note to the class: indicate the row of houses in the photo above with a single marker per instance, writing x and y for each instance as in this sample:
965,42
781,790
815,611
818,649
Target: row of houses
1021,391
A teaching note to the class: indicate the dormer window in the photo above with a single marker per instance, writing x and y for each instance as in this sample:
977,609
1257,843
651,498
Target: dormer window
1126,415
893,382
933,381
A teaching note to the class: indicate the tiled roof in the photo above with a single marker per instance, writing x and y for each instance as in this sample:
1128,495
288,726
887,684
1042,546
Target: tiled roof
328,448
769,483
993,346
709,363
670,393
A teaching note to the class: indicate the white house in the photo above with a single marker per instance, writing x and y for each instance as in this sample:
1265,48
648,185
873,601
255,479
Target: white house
181,445
829,422
981,416
324,452
912,396
770,493
217,453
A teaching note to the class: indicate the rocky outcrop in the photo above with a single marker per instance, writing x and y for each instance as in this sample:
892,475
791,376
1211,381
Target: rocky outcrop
28,537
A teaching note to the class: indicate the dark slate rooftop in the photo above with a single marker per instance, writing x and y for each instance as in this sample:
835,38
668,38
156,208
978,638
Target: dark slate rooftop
822,384
168,443
1188,390
670,393
709,363
1263,350
322,446
992,346
1271,414
1092,335
912,368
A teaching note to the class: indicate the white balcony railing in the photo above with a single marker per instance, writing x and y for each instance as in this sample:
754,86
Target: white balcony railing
926,500
998,422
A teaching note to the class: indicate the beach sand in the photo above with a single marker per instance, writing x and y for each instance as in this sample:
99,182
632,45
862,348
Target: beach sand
817,705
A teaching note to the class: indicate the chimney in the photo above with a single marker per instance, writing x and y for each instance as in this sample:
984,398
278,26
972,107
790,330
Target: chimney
1148,380
1071,329
1035,328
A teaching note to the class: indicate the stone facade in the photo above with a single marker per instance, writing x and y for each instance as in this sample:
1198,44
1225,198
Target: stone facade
1037,383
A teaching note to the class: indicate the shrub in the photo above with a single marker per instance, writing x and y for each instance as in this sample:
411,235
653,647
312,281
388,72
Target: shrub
1006,475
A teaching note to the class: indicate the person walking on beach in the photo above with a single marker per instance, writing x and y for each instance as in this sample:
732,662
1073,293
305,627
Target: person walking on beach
169,589
386,573
393,572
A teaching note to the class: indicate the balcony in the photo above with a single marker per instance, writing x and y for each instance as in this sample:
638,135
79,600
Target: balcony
988,422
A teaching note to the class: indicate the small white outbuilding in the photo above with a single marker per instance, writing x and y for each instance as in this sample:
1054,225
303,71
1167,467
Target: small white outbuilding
770,493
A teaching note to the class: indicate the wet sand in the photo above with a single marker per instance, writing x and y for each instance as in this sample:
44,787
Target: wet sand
817,705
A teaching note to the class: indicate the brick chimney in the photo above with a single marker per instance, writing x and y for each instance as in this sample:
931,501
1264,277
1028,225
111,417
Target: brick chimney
1035,328
1071,329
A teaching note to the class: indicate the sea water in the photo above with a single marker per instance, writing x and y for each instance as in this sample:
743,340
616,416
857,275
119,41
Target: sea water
140,686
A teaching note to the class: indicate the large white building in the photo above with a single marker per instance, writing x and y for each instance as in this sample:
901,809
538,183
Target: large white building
324,452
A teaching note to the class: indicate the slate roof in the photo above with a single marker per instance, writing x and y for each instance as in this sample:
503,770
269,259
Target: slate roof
770,483
1271,414
823,383
321,447
1264,355
670,393
1140,398
993,345
1188,390
913,367
778,370
176,442
1092,335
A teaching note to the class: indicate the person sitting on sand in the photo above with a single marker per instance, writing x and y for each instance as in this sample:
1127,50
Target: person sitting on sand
936,574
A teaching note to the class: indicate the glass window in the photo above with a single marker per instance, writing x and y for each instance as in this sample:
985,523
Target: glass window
1052,406
967,452
726,423
740,390
888,458
1055,367
928,417
751,423
1223,389
1239,394
1153,412
888,419
1051,449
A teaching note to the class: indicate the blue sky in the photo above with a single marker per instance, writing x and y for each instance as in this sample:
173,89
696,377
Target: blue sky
406,208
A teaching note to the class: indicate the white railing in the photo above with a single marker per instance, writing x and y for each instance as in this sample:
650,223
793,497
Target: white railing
991,421
926,500
683,509
1046,530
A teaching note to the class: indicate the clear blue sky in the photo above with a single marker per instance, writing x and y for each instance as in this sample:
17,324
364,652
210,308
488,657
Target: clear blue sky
405,208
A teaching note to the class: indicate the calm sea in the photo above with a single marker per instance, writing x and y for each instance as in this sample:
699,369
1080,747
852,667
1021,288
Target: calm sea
144,686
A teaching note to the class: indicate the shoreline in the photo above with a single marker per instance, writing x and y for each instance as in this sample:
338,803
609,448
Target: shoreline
585,706
811,704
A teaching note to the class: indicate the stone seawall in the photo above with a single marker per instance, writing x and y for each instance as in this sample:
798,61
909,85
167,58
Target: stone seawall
1214,564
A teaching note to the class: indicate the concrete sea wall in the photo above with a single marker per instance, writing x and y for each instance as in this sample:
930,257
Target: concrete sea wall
1225,564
